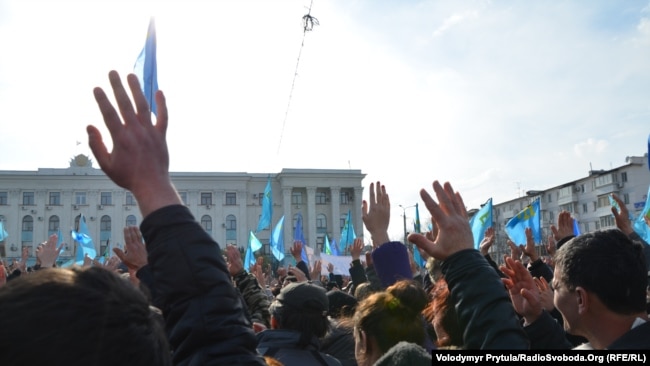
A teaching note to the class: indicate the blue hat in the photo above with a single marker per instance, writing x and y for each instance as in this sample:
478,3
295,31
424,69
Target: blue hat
391,261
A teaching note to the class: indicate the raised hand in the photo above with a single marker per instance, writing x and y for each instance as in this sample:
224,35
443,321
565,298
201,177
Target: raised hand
525,295
296,250
47,253
529,249
622,217
139,160
450,217
233,260
564,226
316,269
545,293
376,214
487,241
134,255
298,273
551,245
515,251
357,248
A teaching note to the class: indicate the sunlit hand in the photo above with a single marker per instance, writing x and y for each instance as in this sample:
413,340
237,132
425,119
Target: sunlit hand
545,293
357,248
551,246
134,255
529,249
298,273
376,214
525,295
139,160
316,269
48,252
450,217
296,250
487,241
233,260
515,251
564,226
622,217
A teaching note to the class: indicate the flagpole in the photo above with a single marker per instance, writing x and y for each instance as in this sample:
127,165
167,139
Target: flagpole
404,216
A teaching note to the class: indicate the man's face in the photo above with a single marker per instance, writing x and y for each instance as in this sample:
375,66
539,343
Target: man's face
567,303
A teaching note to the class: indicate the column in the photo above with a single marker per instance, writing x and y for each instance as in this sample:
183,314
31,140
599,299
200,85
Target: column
311,218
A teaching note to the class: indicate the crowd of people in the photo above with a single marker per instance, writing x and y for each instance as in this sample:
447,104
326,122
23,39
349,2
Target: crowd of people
173,296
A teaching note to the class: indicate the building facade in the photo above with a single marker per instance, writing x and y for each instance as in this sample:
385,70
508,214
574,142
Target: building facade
35,204
586,198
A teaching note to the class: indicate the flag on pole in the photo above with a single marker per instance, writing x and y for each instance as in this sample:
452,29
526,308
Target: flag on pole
639,225
3,233
326,246
347,234
85,245
576,227
277,240
528,217
298,235
417,258
416,224
146,68
335,247
253,245
480,222
59,241
267,208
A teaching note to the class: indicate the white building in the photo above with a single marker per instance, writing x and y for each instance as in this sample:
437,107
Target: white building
35,204
586,198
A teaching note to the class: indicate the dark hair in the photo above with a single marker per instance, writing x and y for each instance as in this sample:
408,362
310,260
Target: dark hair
609,264
308,323
105,319
393,315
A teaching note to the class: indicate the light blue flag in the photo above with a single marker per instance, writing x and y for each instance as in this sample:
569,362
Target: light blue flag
253,245
59,241
146,68
480,222
85,242
277,240
298,235
326,247
576,227
335,248
639,225
267,208
3,233
347,234
417,258
528,217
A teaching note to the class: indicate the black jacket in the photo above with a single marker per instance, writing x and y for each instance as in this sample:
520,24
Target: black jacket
205,315
484,308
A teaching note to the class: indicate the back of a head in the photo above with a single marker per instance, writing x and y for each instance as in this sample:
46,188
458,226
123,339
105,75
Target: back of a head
302,307
393,315
609,264
78,317
441,312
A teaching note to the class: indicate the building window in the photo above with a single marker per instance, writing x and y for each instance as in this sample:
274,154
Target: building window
80,198
28,223
551,217
585,208
321,198
206,198
582,188
183,197
606,221
346,198
296,198
603,201
231,228
624,177
53,224
231,198
549,197
595,205
27,231
131,221
105,223
55,199
28,198
3,199
342,222
321,224
206,223
626,198
106,198
129,199
260,198
586,227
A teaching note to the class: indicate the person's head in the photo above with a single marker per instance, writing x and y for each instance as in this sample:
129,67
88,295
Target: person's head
363,290
385,318
301,307
105,317
605,269
341,303
442,315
